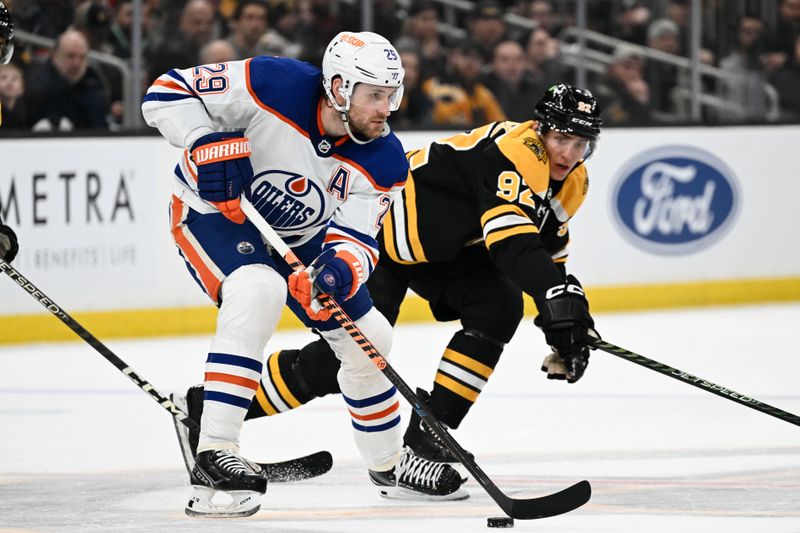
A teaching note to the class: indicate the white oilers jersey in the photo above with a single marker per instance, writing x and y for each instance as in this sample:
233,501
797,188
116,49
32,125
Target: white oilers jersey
303,180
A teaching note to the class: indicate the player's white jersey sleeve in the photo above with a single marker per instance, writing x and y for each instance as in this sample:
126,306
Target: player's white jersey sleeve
355,224
185,104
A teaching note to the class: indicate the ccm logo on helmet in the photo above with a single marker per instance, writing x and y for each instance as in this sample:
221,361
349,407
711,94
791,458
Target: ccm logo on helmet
349,39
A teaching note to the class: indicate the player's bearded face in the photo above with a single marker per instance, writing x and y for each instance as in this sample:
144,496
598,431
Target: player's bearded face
369,109
564,151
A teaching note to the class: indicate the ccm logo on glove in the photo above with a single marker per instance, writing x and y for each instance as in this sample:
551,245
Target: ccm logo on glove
558,290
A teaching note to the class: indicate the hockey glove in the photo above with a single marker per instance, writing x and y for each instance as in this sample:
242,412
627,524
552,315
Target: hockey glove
223,170
568,328
8,244
570,367
333,273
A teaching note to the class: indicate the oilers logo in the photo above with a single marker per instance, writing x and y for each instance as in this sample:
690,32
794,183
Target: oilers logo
245,248
675,200
288,201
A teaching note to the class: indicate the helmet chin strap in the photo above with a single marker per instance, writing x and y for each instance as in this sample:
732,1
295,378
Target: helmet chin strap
350,133
343,112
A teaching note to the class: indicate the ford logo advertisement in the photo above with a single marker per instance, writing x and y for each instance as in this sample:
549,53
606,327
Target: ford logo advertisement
675,199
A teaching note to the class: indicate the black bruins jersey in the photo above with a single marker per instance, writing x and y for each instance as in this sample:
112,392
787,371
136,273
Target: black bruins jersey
489,185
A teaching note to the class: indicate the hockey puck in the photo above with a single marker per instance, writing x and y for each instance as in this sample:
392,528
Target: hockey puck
500,521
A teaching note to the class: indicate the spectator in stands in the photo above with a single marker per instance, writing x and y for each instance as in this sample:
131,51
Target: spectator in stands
416,107
543,61
678,12
249,23
663,35
48,18
180,49
422,27
94,22
746,85
319,23
632,22
780,46
486,27
12,89
121,26
281,33
63,93
217,51
541,12
459,99
787,82
386,18
511,83
623,93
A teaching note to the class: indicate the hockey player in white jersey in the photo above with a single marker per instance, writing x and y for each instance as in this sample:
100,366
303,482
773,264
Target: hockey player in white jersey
313,153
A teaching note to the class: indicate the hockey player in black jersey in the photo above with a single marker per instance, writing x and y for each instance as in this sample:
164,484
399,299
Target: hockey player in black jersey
483,218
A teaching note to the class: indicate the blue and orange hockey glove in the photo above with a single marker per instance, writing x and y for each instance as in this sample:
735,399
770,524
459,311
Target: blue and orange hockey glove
223,170
337,274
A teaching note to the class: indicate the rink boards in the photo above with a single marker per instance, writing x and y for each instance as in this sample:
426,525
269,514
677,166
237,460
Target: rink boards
673,217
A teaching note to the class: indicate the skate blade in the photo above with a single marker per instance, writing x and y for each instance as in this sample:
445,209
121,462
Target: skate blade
209,503
183,432
401,493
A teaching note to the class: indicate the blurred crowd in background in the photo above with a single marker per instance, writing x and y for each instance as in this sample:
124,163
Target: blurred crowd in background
478,66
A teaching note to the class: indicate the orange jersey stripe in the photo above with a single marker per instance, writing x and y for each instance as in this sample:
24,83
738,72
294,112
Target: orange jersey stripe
375,416
210,282
334,238
170,85
233,380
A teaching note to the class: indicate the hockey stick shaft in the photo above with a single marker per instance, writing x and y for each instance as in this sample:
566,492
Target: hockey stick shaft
536,508
695,381
95,343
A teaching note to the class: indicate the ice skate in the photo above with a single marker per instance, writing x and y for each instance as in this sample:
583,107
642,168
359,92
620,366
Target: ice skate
191,404
225,485
423,441
416,478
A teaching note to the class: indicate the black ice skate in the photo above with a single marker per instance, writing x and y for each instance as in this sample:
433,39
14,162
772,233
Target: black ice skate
423,441
225,485
191,404
416,478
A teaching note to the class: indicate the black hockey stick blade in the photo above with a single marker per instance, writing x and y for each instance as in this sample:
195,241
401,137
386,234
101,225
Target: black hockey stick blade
299,468
554,504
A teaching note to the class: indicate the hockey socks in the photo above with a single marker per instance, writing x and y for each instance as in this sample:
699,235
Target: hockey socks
465,368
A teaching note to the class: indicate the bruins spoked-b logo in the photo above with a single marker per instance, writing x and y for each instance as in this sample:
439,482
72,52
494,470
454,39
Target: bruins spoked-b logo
675,199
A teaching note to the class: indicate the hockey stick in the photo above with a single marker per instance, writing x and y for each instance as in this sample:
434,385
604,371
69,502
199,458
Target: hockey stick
553,504
317,463
695,381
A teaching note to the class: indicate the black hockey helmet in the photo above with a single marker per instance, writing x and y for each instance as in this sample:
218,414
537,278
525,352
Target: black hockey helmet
570,110
6,34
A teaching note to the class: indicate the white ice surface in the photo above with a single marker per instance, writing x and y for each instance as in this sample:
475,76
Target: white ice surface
83,449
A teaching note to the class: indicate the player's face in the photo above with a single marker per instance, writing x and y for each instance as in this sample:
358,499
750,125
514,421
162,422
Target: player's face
370,106
564,151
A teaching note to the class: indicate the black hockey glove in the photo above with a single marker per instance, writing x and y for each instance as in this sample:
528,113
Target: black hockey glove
8,243
568,328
